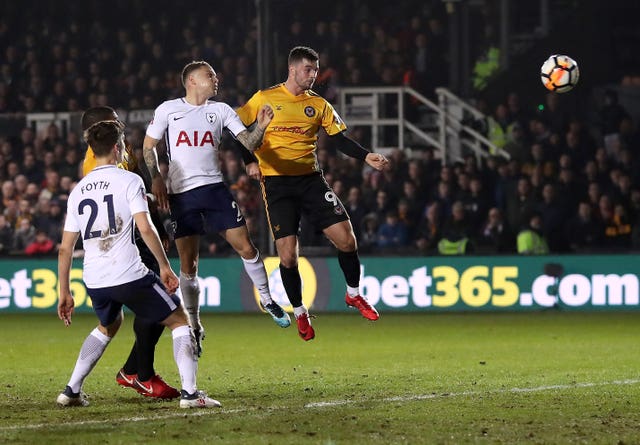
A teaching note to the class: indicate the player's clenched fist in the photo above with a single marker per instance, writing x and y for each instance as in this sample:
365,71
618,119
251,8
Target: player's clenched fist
265,114
377,160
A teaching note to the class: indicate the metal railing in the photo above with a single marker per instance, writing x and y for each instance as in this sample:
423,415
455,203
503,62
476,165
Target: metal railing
458,114
443,125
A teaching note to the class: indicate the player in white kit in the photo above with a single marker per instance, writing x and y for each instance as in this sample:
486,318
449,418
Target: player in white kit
199,200
104,208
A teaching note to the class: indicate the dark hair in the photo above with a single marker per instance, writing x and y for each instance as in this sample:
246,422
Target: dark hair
97,114
302,52
534,214
103,135
191,67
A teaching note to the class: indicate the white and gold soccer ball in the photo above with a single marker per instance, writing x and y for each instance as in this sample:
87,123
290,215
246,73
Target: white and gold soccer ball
559,73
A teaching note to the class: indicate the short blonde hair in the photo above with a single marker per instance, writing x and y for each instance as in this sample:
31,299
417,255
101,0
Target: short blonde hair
191,67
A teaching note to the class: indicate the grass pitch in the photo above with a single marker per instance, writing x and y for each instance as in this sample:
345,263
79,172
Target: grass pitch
536,378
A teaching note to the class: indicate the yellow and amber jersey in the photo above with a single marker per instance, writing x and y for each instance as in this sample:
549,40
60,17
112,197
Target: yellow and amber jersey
289,144
128,163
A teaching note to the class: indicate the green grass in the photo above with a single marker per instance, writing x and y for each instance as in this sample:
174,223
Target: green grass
538,378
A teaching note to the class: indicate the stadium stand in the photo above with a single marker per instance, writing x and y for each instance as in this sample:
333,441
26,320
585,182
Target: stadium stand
574,162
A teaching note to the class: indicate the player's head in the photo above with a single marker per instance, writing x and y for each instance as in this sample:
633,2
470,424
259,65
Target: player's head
303,66
97,114
103,136
298,53
200,76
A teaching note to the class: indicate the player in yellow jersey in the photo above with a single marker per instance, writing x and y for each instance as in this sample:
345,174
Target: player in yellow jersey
293,183
138,372
128,162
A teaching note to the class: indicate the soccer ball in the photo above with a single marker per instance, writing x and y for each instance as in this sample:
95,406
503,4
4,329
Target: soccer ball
559,73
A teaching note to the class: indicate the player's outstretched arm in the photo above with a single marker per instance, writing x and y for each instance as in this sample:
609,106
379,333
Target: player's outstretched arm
65,258
150,236
158,187
352,148
253,138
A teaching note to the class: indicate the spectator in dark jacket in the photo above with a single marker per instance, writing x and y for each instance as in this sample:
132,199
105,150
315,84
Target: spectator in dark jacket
554,214
25,234
356,209
392,233
496,236
368,233
6,235
584,232
520,205
429,231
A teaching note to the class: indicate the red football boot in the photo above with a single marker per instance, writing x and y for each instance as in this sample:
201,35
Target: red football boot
367,311
157,388
126,380
305,330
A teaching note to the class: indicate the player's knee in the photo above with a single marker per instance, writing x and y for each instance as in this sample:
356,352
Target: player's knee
189,283
112,329
248,252
251,256
180,316
288,255
289,261
175,320
351,245
346,244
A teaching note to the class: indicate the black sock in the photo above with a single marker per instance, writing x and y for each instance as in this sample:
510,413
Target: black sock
131,365
350,265
142,354
292,284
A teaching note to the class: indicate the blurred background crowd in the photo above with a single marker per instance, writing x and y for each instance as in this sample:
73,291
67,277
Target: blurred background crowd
573,177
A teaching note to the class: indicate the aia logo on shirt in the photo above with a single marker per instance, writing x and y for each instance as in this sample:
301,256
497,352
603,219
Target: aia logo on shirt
195,139
309,111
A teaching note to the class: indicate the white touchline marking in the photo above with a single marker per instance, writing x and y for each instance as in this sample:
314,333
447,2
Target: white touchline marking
415,397
312,405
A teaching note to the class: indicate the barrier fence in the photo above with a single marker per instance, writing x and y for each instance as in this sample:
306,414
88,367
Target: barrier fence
427,284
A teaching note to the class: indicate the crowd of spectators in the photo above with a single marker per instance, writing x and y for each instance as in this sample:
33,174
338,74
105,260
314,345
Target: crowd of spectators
56,57
574,183
572,178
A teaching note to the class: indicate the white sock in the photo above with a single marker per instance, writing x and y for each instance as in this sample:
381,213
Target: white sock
90,352
300,310
353,291
190,289
258,274
185,357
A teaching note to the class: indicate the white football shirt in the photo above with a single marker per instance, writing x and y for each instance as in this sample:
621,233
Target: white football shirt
193,134
101,207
